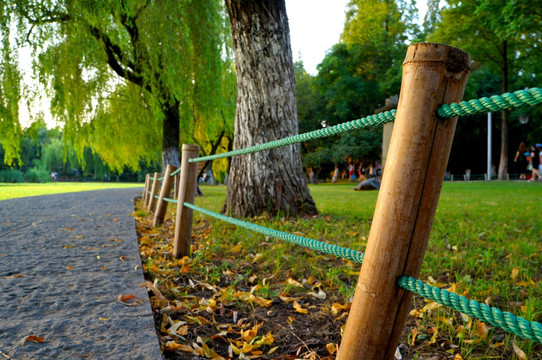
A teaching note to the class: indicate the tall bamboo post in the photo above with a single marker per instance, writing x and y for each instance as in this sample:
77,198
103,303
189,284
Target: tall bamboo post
433,74
154,192
146,188
161,207
187,192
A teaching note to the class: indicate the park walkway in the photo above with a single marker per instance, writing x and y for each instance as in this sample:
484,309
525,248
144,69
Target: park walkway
64,260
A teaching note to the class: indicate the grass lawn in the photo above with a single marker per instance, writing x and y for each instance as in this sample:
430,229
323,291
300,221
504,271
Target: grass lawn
11,191
243,292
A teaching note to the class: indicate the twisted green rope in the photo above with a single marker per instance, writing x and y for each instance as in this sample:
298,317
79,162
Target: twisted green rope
175,172
344,253
506,101
371,120
173,201
530,330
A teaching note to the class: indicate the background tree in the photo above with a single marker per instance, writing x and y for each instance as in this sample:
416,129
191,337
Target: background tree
266,110
499,35
164,58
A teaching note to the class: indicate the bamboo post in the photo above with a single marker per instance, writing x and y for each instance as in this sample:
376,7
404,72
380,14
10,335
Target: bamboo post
187,192
433,74
154,192
161,206
146,188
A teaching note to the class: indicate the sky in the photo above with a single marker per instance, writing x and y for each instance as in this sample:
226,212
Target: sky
316,25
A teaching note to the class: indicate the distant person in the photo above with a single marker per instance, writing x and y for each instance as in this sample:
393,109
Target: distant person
521,161
535,159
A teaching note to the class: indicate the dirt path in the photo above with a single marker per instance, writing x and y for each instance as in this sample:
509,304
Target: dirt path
64,260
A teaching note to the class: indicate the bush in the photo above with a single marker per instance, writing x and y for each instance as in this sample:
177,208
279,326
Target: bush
37,175
11,176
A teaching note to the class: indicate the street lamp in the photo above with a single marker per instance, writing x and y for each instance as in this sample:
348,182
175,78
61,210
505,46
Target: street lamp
523,119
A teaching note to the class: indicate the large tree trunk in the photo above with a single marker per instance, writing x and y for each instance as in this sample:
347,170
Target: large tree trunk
503,163
271,180
170,136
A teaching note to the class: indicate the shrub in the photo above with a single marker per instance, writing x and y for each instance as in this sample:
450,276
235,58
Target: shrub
37,175
11,176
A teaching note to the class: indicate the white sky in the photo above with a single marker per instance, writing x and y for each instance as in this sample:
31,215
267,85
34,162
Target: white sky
316,25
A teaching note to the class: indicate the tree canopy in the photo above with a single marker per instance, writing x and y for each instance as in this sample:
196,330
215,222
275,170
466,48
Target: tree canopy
127,75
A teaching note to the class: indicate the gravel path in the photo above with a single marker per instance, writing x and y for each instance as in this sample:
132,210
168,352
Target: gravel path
64,260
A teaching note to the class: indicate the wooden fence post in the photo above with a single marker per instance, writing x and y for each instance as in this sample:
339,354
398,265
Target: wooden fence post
187,192
145,189
176,185
154,192
161,207
433,74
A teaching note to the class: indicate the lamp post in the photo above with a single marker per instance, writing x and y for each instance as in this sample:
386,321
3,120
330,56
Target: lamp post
523,119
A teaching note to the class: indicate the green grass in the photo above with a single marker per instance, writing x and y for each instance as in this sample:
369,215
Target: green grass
486,241
11,191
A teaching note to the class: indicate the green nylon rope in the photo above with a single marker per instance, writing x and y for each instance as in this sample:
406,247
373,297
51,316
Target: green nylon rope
345,253
371,120
506,101
175,172
530,330
173,201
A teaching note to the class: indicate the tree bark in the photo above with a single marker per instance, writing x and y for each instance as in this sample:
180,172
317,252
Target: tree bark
503,163
271,180
170,136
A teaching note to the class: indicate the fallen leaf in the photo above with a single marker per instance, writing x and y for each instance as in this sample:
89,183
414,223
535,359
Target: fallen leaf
124,298
414,334
35,338
336,308
69,246
287,299
103,319
434,337
331,348
69,228
69,267
514,273
520,353
173,346
319,295
458,357
481,330
299,308
293,282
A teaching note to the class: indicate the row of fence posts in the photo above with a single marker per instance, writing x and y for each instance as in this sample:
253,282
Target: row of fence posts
184,184
433,74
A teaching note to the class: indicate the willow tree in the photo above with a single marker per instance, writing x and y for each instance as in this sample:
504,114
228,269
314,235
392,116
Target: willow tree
271,180
162,58
10,86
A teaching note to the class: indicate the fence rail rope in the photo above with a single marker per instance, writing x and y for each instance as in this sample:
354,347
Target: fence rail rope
339,251
530,330
506,101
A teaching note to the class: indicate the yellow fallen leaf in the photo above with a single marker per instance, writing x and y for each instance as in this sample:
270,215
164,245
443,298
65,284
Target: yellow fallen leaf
291,319
300,309
336,308
287,299
432,305
331,348
434,337
293,282
414,334
520,353
514,273
458,357
272,350
173,346
481,330
250,334
103,319
267,339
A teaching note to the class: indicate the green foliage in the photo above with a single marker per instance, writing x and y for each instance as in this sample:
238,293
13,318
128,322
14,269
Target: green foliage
37,175
117,70
10,87
11,176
